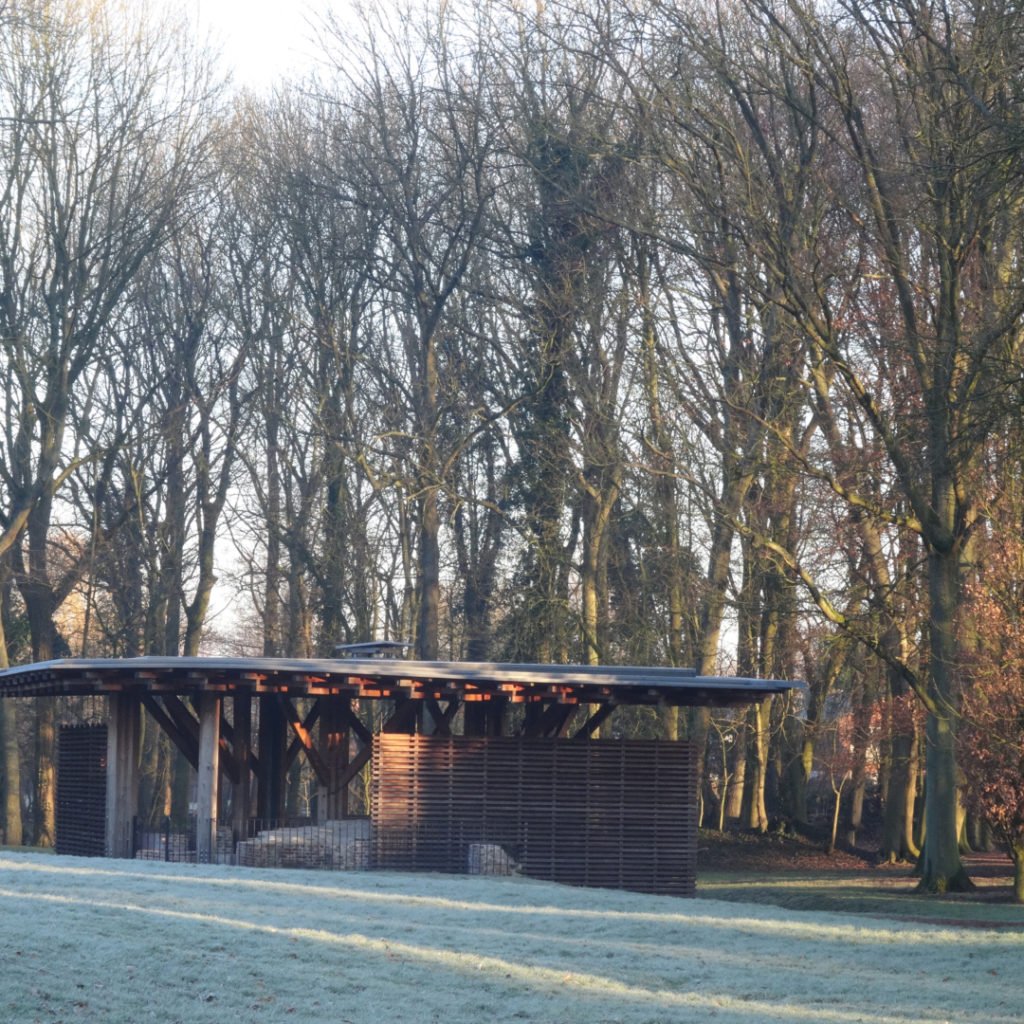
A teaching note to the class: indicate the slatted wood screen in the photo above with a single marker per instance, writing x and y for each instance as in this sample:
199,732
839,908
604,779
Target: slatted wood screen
82,790
615,814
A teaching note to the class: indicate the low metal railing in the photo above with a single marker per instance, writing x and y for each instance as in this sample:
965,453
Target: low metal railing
344,845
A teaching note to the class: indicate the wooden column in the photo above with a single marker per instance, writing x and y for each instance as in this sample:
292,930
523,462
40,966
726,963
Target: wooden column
124,734
208,782
332,799
270,792
241,798
484,718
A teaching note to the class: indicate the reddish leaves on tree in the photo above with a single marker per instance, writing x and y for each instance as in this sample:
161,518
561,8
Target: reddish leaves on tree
992,729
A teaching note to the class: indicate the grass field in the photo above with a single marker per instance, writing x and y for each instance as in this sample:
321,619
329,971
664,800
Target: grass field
873,892
118,941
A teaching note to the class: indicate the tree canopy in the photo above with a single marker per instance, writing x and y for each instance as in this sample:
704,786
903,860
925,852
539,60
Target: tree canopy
648,333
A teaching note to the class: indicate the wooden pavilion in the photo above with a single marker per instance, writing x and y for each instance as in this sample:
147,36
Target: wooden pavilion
451,758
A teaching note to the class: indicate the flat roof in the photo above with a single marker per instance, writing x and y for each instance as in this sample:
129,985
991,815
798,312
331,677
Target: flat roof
376,678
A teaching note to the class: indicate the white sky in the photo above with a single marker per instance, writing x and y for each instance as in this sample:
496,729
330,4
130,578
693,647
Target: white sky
262,41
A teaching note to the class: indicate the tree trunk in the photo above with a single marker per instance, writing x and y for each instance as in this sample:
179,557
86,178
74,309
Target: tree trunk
800,741
737,774
272,604
429,577
598,504
171,558
858,781
669,723
757,815
10,768
10,761
941,867
46,772
897,843
38,597
838,793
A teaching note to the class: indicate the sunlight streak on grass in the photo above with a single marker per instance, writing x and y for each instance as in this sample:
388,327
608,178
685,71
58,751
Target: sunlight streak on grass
249,944
475,963
857,931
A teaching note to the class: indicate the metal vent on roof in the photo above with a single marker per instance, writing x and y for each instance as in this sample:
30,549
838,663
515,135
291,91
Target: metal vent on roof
372,649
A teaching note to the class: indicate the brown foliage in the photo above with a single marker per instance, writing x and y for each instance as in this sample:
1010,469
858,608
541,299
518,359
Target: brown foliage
992,732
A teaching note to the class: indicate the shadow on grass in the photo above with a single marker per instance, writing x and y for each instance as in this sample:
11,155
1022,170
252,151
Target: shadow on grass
883,893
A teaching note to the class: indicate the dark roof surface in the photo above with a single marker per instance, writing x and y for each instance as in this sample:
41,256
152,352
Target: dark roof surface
379,677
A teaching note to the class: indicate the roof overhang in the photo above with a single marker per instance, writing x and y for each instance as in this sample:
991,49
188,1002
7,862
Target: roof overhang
379,678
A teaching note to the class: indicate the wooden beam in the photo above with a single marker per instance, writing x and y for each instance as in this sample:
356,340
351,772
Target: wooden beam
353,768
183,729
124,735
185,742
304,738
228,762
402,717
551,722
271,775
307,724
442,719
593,723
208,776
241,743
228,735
351,719
183,718
334,745
230,756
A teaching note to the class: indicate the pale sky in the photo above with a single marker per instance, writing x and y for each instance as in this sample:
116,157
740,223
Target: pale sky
261,41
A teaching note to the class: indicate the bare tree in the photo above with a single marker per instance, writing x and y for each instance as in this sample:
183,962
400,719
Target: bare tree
418,148
909,324
103,121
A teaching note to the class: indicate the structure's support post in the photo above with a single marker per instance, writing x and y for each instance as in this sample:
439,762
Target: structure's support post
332,798
473,718
124,734
404,718
533,714
208,783
496,715
270,791
484,717
241,797
355,758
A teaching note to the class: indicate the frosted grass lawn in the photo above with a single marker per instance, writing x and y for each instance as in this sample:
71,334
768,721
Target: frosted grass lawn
120,941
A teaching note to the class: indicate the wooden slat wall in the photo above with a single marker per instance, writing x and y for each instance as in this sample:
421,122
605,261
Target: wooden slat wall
82,790
615,814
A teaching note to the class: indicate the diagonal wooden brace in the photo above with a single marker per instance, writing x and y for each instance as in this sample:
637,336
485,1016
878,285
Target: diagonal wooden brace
551,722
593,723
442,719
185,740
304,738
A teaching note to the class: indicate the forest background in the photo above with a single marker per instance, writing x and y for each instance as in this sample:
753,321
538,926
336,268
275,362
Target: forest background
648,333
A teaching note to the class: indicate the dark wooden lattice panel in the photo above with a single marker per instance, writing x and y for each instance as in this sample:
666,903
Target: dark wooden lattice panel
616,814
82,790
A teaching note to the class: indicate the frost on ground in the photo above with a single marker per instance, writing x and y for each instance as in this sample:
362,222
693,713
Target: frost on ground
119,941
